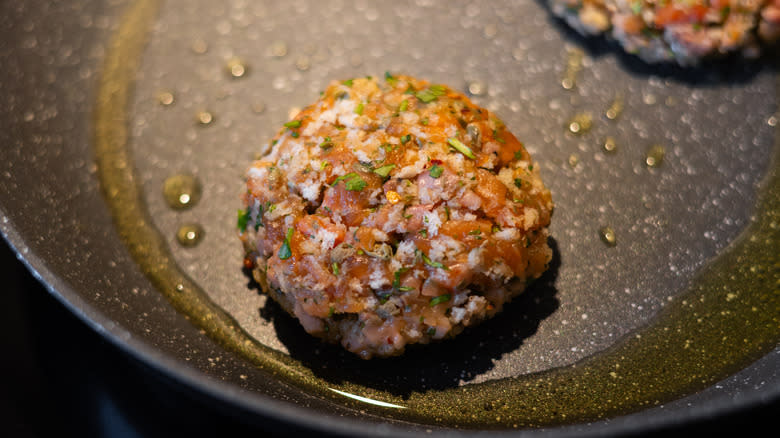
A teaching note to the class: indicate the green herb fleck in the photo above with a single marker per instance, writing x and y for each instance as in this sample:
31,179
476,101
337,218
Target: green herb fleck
293,124
460,147
355,184
390,79
431,93
404,106
344,177
348,82
475,232
436,171
519,155
498,139
384,171
440,299
335,268
243,219
285,252
519,183
327,143
636,7
397,277
431,263
359,109
405,139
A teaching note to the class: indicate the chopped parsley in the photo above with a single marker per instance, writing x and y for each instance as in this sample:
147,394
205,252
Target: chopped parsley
359,109
436,171
498,139
431,263
355,184
519,183
293,124
390,79
284,251
243,219
440,299
475,232
348,82
519,155
460,147
352,182
327,143
404,106
384,171
397,277
405,139
335,268
431,93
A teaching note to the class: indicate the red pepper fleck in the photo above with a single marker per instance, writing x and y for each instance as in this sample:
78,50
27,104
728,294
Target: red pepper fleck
249,263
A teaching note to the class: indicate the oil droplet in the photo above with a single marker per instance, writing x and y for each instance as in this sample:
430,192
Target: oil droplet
237,68
655,156
615,109
476,88
165,98
355,60
182,191
200,46
581,123
204,117
490,31
279,49
303,63
190,235
573,160
607,235
573,67
258,107
610,146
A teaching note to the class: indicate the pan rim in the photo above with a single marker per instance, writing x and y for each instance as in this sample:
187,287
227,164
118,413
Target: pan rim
259,405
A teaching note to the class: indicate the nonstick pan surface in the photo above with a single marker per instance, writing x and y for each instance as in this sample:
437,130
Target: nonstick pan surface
676,319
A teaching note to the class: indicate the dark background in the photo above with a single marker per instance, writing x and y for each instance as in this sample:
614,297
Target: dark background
58,377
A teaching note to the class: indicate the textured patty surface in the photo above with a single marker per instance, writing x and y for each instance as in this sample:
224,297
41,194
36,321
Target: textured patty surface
684,31
393,211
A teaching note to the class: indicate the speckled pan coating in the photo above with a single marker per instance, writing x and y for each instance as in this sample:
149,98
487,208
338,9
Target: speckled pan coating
673,223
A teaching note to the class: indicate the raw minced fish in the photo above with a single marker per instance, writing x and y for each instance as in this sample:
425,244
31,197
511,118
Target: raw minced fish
683,31
393,212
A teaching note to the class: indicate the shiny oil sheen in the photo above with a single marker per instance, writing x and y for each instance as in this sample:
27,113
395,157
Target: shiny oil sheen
728,317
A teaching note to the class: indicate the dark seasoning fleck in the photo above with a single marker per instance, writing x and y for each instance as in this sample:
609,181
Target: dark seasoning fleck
674,356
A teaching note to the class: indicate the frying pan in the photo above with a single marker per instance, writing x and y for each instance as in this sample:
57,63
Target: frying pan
676,319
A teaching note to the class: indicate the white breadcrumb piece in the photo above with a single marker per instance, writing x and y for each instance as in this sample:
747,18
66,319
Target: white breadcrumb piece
393,212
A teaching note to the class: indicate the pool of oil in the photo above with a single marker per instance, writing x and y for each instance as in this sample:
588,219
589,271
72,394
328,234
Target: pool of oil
665,278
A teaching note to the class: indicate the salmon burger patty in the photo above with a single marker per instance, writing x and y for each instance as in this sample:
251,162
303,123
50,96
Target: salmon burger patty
683,31
393,212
